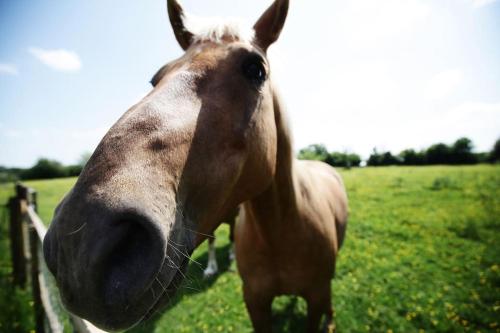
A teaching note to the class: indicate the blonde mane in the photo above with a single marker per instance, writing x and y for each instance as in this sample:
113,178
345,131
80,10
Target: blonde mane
216,29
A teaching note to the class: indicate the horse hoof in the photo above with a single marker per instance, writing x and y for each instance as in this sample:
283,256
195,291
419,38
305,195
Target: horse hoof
330,328
209,272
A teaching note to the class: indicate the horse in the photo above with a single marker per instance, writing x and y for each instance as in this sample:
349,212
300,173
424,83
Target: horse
212,266
210,135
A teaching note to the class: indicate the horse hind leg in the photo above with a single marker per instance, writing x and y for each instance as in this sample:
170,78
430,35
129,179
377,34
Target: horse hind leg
212,267
231,255
318,306
259,307
329,324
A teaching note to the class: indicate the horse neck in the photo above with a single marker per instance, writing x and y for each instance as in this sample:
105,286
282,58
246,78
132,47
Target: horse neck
278,202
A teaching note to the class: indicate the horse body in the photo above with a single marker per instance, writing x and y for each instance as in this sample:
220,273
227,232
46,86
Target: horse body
288,237
209,136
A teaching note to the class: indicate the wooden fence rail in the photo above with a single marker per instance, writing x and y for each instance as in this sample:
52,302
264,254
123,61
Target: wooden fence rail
27,231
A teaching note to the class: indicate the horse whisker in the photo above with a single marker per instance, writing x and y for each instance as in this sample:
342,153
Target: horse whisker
184,254
162,286
176,267
192,288
77,230
199,233
153,292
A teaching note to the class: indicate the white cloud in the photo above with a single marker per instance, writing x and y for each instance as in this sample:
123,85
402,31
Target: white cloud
476,120
9,69
370,22
61,60
444,83
481,3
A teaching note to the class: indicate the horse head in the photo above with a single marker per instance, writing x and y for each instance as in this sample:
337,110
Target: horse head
201,142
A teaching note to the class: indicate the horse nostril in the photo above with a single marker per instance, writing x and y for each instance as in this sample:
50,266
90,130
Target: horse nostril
133,261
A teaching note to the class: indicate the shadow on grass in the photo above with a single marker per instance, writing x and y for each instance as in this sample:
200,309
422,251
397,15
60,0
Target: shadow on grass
287,318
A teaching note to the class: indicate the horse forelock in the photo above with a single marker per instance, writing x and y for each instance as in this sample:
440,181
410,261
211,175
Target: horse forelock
218,30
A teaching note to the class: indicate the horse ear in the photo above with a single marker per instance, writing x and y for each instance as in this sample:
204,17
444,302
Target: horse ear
268,27
176,16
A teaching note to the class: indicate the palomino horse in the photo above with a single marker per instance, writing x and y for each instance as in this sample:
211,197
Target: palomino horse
210,135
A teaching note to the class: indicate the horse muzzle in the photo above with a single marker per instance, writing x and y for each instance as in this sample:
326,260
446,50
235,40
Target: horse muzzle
112,266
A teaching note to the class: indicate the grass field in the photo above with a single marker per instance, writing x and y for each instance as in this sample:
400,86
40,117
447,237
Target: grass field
422,254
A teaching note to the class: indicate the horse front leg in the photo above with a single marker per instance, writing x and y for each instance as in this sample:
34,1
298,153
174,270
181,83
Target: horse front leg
212,267
232,254
259,307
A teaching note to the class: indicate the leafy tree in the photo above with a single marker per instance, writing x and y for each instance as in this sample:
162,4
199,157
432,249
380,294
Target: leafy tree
380,159
343,160
461,152
9,174
411,157
495,152
483,157
375,159
389,159
44,169
316,152
73,170
354,160
438,153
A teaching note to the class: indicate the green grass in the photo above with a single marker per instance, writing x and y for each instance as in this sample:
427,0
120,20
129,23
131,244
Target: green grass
422,253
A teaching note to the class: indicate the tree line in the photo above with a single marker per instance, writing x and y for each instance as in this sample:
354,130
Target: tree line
44,168
318,152
459,153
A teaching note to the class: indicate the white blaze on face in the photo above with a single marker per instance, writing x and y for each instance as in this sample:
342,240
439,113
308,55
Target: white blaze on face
176,101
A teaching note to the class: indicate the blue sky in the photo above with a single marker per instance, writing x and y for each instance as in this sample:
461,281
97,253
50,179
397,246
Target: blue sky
354,74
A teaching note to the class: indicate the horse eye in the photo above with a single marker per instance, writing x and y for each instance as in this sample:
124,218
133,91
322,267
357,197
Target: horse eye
253,69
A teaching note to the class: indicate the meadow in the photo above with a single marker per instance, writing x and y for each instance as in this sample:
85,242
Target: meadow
422,253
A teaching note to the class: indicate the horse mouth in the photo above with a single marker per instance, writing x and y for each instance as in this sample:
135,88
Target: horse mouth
168,291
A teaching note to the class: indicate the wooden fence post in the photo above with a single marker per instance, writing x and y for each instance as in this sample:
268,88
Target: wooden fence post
17,238
35,269
34,201
35,282
22,193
